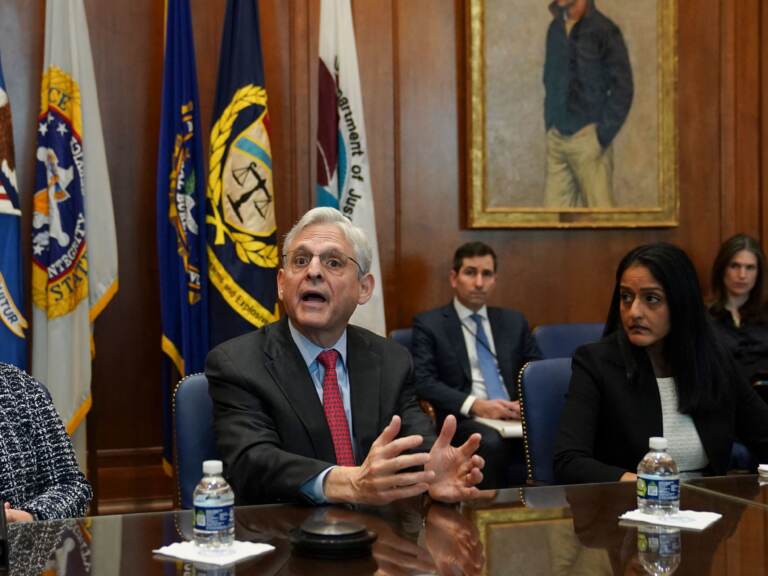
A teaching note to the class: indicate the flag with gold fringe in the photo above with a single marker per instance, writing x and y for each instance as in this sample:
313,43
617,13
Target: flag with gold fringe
74,247
13,325
181,213
242,233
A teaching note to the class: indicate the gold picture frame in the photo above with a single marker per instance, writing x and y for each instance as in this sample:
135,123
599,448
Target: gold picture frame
506,137
510,534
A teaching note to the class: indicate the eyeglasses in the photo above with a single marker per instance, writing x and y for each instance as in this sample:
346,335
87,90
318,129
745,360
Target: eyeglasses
332,260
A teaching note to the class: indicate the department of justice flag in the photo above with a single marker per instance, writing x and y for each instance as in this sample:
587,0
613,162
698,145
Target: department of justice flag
13,325
74,249
343,173
181,211
242,234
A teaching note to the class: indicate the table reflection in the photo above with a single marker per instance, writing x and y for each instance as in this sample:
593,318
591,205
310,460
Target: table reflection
570,531
750,488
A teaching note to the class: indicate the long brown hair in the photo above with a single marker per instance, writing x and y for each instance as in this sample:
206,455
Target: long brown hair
754,309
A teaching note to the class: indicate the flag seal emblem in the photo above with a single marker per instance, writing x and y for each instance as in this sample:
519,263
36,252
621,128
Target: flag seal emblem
181,201
10,315
241,201
242,173
60,271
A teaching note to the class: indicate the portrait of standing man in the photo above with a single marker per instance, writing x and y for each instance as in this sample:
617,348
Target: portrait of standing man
588,94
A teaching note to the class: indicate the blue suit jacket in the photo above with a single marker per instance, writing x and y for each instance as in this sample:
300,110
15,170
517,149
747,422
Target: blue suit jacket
442,374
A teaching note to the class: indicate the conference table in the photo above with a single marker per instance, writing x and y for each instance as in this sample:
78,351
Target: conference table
561,530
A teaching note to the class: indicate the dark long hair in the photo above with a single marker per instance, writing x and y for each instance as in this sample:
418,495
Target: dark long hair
754,309
690,348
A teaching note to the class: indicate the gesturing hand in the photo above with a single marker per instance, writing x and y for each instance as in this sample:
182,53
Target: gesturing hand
378,479
457,471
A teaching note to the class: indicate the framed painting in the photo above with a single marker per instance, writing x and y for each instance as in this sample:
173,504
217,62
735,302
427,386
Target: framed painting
571,114
521,540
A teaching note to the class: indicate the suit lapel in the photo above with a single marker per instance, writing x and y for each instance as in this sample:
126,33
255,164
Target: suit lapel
364,372
290,373
643,390
456,337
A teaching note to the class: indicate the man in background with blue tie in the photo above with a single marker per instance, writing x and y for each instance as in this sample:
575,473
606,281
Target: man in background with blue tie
466,360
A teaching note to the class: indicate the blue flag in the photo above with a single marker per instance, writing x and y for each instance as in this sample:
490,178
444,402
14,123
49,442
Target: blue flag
181,210
242,234
13,337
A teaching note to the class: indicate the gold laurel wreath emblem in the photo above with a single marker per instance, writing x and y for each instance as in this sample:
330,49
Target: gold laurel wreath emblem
247,246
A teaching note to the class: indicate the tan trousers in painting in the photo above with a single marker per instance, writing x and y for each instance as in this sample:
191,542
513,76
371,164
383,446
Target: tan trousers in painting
579,170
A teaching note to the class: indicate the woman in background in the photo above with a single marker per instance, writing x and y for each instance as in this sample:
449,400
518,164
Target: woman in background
739,310
659,371
39,477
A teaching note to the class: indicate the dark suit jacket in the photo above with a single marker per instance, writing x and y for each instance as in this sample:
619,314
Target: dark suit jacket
613,407
268,419
441,363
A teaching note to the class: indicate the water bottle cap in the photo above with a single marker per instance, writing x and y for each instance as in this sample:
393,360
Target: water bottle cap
657,443
212,467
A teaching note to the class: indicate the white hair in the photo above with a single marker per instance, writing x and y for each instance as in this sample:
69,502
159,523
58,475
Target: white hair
353,234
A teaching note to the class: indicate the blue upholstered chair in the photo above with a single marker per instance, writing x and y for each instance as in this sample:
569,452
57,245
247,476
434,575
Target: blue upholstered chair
561,340
542,386
193,436
403,336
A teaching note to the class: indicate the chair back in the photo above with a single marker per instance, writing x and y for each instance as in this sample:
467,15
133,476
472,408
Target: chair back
403,336
193,436
562,340
542,386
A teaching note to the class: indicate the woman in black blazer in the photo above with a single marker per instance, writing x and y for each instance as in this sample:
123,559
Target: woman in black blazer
659,371
739,309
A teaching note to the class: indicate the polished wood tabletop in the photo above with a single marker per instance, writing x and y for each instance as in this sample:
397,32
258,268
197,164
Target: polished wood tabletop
750,488
556,530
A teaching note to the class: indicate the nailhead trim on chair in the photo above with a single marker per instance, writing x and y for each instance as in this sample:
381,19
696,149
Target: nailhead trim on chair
526,446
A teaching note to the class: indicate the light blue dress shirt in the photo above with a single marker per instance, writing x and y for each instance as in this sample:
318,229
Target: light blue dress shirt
313,488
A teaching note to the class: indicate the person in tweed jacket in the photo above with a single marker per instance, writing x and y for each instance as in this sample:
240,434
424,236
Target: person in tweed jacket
39,476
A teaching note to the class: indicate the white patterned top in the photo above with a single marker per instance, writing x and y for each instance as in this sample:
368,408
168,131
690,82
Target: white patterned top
682,437
38,469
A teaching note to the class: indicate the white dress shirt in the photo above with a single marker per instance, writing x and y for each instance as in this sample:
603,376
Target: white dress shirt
469,328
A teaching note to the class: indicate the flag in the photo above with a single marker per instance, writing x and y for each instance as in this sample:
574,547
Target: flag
242,234
181,212
74,250
343,173
13,325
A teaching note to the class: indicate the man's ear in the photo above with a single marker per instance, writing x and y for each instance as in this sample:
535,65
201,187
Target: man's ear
453,278
280,282
367,284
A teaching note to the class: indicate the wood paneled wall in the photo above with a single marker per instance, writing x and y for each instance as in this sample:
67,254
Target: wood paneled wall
411,56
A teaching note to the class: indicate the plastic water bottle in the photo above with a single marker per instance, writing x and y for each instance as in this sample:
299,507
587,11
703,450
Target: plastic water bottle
658,548
214,509
658,483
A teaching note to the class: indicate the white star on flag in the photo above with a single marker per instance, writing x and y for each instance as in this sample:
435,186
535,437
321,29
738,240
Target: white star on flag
62,129
43,128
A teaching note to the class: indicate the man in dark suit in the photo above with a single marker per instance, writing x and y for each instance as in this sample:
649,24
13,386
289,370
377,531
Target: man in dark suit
467,357
311,408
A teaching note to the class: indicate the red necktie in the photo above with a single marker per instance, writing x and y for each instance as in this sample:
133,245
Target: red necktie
334,410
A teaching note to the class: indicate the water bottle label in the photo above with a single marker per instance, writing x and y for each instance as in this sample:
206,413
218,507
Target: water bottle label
662,543
213,518
661,489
